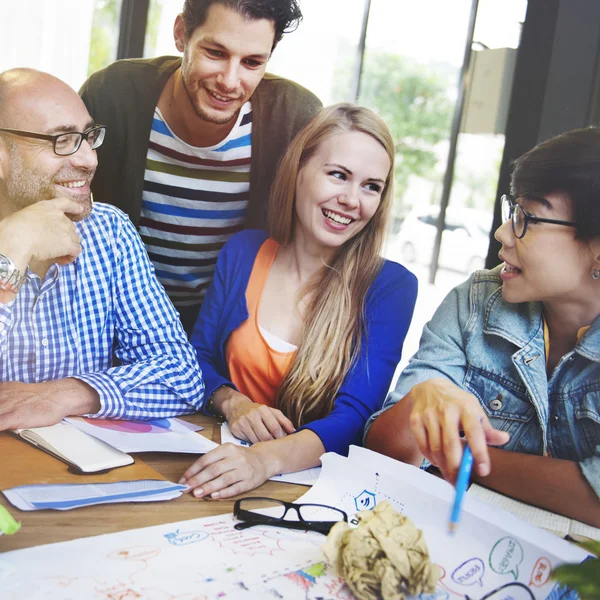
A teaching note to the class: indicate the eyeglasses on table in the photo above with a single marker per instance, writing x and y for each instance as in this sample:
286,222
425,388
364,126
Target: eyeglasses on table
270,511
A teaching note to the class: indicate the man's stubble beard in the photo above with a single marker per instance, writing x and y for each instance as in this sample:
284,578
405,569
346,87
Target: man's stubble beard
197,106
26,186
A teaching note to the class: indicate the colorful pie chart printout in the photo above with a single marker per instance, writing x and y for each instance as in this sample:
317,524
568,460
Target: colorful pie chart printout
159,435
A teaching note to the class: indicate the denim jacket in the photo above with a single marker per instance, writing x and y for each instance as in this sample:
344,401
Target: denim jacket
495,350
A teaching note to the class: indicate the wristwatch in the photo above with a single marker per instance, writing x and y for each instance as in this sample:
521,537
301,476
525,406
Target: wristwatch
11,279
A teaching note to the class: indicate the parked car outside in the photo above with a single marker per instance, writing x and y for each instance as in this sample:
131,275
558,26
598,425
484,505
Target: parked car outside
465,239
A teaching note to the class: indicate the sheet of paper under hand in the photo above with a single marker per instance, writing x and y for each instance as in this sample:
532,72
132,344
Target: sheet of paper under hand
306,477
156,435
67,496
493,554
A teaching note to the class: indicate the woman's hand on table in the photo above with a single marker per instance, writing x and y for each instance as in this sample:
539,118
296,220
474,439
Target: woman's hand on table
249,420
227,471
440,411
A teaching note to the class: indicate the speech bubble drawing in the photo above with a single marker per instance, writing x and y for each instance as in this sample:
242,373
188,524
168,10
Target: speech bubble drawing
506,556
469,573
183,538
541,572
509,591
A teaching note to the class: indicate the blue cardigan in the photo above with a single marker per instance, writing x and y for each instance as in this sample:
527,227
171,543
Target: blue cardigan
389,306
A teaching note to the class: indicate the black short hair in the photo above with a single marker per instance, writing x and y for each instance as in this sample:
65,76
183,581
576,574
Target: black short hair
285,14
568,163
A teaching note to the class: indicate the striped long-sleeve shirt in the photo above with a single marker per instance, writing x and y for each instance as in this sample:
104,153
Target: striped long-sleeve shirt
106,305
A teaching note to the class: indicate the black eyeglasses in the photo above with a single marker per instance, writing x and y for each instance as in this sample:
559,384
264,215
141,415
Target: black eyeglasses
269,511
520,218
65,144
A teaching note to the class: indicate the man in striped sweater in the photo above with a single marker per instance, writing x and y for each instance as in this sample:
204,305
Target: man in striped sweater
192,144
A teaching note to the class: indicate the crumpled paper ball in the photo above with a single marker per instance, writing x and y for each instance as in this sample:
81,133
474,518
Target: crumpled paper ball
384,557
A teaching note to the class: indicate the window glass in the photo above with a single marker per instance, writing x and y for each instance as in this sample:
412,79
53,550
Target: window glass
159,28
105,34
67,38
322,54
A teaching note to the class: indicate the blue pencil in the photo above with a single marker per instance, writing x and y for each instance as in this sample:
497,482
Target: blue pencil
462,482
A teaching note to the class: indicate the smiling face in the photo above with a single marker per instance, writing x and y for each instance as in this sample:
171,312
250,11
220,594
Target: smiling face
548,264
32,171
223,61
339,189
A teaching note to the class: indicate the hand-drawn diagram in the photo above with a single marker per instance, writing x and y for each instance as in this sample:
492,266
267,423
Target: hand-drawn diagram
207,559
365,501
483,559
469,573
203,559
181,538
541,572
506,556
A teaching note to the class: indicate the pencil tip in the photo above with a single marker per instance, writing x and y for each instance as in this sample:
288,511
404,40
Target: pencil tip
451,528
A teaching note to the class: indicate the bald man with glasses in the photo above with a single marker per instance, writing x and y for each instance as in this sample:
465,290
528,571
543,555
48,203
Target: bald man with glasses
77,291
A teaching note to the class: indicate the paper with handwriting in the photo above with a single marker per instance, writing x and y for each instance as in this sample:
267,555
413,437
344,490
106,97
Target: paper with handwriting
493,555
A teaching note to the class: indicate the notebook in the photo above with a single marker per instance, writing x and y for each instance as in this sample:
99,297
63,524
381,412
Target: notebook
557,524
86,453
24,464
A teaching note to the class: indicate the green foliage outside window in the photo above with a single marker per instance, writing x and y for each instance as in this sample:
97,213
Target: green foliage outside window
415,101
105,30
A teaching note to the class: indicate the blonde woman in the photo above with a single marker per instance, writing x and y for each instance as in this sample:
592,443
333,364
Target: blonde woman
303,326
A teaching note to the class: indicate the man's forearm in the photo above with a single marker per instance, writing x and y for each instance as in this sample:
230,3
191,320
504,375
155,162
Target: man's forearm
551,483
24,405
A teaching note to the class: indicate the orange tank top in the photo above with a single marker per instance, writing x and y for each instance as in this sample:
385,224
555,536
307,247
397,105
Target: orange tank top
254,367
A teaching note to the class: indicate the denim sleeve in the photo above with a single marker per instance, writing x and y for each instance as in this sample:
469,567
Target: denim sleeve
590,467
441,350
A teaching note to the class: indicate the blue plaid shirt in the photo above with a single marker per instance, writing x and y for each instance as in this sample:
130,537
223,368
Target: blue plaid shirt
106,304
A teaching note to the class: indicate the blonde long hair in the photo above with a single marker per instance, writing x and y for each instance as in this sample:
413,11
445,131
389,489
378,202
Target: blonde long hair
334,324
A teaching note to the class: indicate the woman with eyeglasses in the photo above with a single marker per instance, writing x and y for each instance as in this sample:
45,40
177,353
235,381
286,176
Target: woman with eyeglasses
510,361
302,328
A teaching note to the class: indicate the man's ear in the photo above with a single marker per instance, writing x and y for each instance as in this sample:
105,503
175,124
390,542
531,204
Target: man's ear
179,33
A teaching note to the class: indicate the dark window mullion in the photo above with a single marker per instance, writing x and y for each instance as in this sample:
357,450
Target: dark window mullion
132,28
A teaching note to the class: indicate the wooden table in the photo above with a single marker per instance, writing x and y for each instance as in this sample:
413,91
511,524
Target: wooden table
48,526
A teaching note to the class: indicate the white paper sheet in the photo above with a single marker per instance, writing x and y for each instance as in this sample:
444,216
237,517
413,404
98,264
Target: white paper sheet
67,496
491,548
306,477
493,554
157,435
201,559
